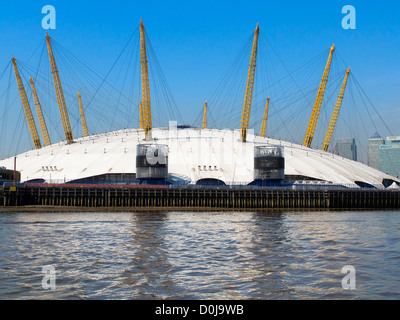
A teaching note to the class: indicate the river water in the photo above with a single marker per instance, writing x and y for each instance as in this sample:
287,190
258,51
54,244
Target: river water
198,255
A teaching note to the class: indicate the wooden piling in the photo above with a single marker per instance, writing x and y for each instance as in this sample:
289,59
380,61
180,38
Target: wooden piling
221,198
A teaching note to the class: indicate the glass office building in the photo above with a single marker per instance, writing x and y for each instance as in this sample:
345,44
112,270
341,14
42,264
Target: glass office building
374,144
393,141
346,148
389,156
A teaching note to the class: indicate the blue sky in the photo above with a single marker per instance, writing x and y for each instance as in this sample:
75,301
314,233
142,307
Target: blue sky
196,41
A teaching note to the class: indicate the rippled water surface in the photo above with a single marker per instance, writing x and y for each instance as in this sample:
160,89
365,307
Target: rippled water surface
192,255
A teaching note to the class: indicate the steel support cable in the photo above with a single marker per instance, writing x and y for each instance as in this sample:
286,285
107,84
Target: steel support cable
233,68
264,59
199,118
384,123
65,85
366,108
357,114
169,99
373,106
9,82
351,127
159,94
38,105
62,85
210,115
284,124
118,100
229,118
134,111
235,92
71,80
26,133
227,74
108,73
282,120
265,74
57,121
6,110
34,51
40,60
284,66
21,63
216,100
5,70
73,73
28,69
329,95
104,81
155,89
122,88
76,72
68,68
290,75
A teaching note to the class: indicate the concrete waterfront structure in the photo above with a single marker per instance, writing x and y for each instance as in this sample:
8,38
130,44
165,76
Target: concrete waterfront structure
66,197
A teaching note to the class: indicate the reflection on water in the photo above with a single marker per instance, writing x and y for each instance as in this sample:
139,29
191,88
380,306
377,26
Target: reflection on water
187,255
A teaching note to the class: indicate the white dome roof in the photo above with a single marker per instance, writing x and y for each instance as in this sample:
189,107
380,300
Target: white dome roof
194,154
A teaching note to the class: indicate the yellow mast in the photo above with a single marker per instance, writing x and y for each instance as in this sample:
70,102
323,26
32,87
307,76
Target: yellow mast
83,118
318,102
59,92
145,84
141,122
249,87
39,112
264,121
205,116
27,107
335,114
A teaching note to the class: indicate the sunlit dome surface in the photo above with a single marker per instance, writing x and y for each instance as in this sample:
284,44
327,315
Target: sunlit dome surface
194,154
